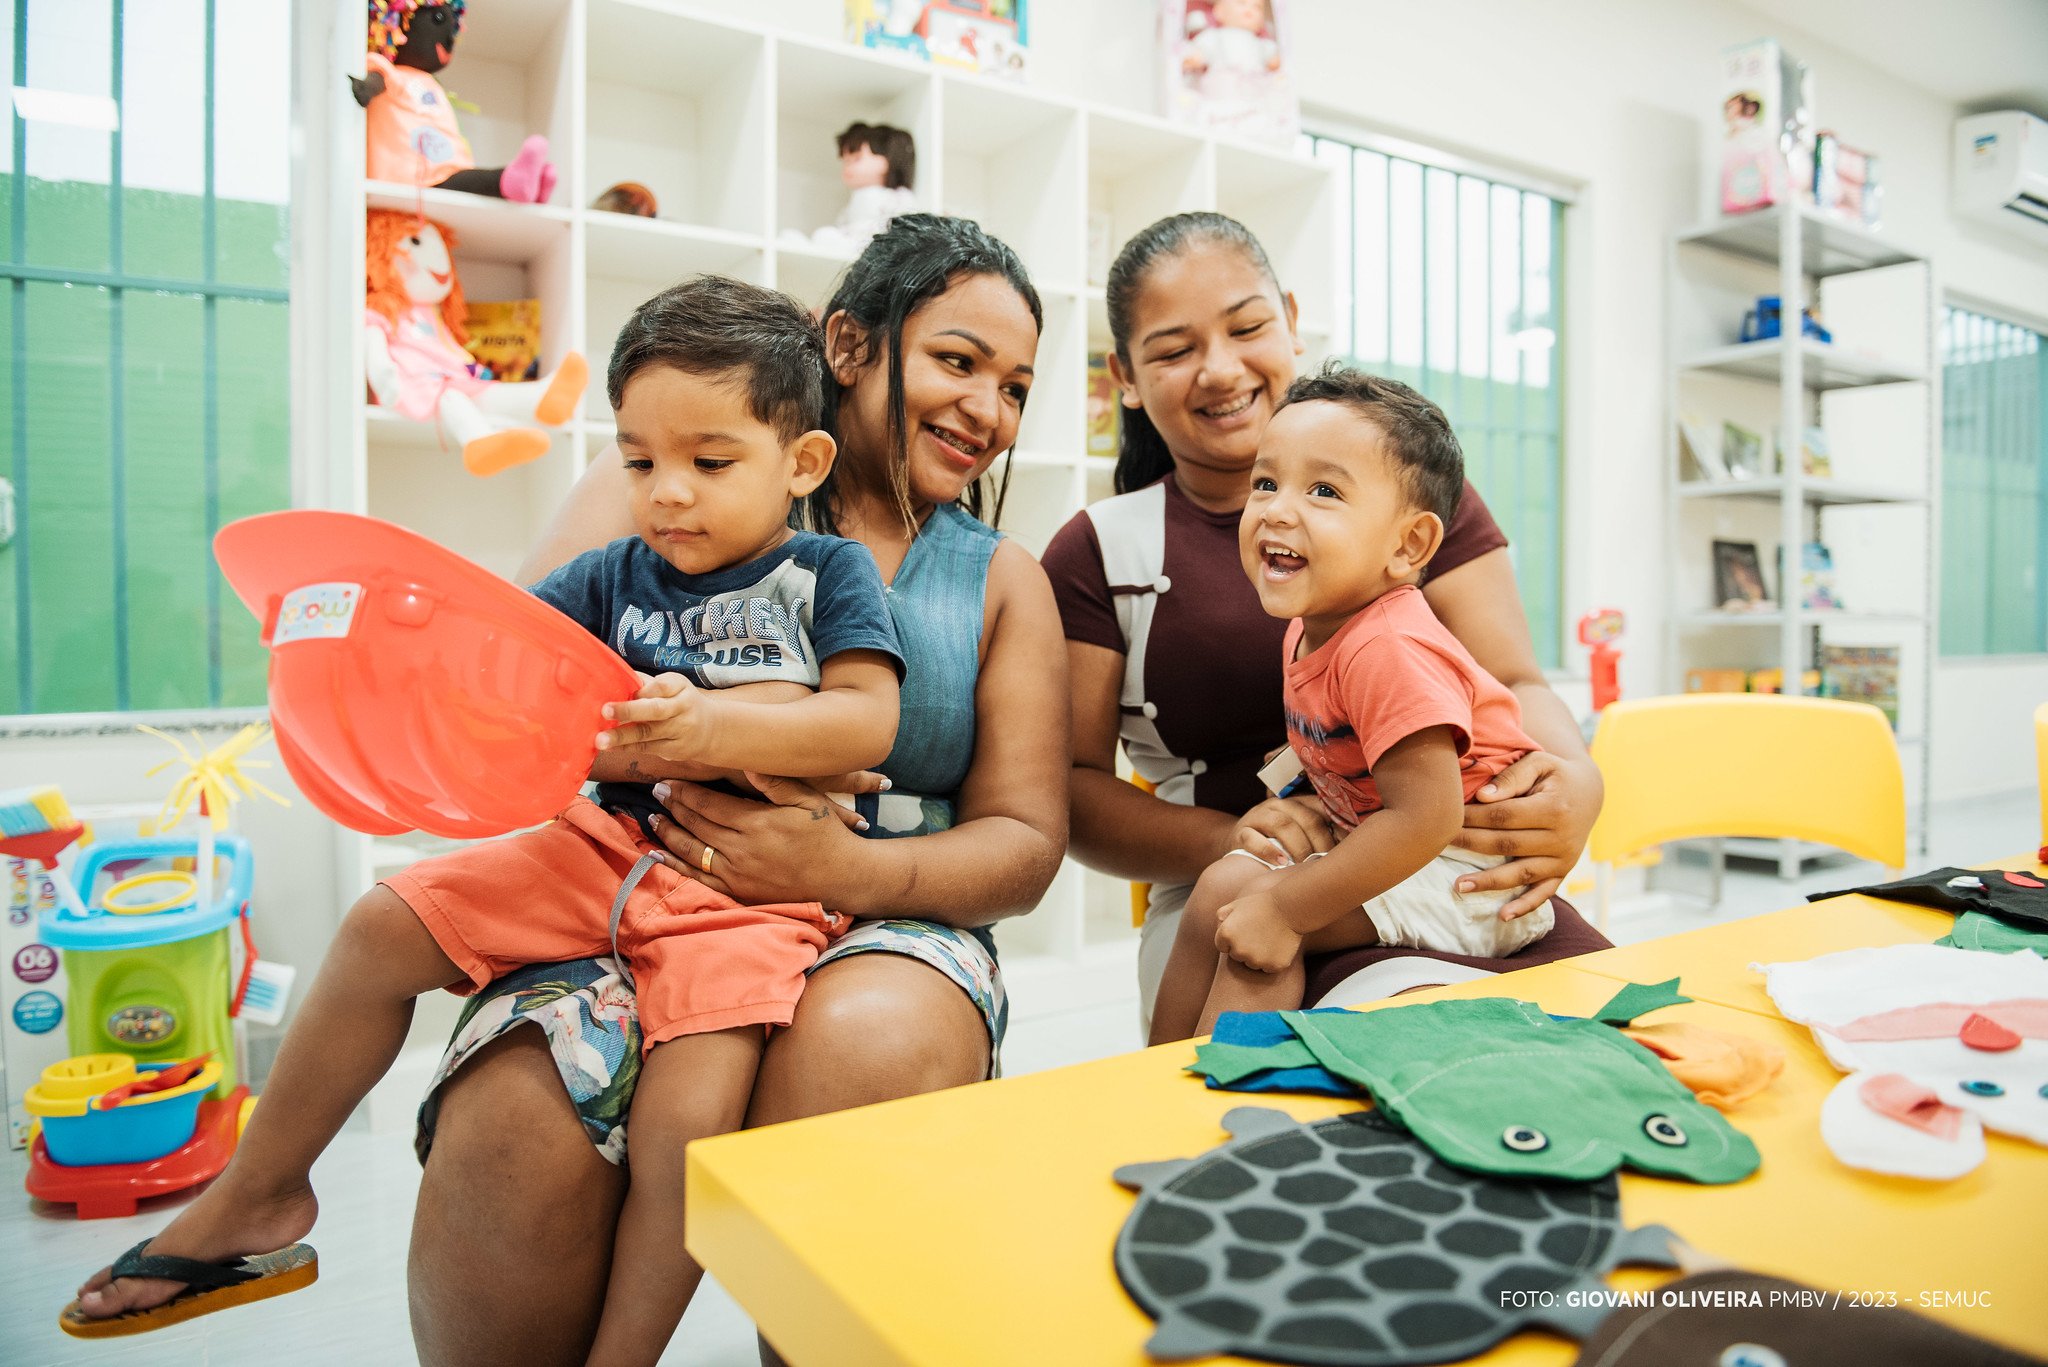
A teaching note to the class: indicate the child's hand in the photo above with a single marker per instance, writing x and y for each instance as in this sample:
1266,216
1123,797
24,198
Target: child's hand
670,719
1252,931
1284,830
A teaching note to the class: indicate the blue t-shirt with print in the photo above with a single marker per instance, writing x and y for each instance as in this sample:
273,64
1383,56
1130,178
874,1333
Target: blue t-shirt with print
778,616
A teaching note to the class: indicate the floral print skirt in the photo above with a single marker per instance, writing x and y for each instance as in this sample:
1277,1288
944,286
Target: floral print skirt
586,1010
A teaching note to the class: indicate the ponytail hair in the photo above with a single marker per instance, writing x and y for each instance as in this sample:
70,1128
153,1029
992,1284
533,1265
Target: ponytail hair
1142,457
912,262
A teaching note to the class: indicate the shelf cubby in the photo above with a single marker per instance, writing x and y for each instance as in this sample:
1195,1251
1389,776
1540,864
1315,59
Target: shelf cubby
1141,170
820,88
680,105
1013,164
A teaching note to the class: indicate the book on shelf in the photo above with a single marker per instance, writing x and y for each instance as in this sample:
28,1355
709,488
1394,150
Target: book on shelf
504,338
1717,681
1104,421
1815,460
1868,674
1765,680
1703,447
1773,681
1742,451
1817,579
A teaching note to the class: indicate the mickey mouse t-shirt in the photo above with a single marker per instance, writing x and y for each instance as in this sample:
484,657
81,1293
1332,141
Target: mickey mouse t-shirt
777,616
1389,672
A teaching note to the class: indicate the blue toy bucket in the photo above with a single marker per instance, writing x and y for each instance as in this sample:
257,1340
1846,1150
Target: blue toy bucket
78,1132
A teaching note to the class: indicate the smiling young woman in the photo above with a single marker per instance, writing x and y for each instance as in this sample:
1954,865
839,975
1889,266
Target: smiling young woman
1168,649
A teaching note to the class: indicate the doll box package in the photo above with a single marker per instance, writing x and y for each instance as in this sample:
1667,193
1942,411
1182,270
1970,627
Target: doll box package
1767,127
991,37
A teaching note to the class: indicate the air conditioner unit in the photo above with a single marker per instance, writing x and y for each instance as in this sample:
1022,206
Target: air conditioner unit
2001,171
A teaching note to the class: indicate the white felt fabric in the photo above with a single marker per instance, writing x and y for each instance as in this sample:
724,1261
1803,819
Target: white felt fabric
1864,1139
1836,990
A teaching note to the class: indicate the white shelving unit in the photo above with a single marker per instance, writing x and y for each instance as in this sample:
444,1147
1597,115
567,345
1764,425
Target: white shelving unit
731,125
1871,390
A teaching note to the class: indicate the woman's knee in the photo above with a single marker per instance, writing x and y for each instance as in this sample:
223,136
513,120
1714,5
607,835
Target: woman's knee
871,1027
511,1171
505,1115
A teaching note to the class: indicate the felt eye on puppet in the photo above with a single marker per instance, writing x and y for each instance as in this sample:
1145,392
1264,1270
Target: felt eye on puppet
413,138
415,362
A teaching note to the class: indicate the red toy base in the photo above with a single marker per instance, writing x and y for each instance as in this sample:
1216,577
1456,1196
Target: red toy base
106,1190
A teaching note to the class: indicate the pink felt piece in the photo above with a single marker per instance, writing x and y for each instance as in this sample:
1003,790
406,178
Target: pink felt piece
522,179
1982,1032
2021,880
1909,1103
2024,1017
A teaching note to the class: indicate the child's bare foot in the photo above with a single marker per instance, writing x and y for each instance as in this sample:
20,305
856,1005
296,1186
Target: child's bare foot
222,1225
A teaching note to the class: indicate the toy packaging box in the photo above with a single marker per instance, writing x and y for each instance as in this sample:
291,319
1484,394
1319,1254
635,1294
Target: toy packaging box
1767,127
1227,67
991,37
504,338
1845,181
33,998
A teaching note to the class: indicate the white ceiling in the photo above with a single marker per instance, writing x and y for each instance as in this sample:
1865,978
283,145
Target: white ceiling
1982,54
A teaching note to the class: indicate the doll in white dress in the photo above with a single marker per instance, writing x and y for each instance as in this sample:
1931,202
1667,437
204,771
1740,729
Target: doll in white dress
877,164
1233,72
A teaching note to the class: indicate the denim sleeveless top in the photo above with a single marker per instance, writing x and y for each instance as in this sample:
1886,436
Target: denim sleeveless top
937,600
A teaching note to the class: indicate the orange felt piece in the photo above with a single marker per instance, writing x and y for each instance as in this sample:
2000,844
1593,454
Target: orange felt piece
1721,1068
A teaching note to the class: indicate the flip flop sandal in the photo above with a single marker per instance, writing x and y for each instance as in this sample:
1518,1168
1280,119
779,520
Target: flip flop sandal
209,1287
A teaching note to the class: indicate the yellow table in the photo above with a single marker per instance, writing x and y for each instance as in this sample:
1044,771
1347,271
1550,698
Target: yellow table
976,1225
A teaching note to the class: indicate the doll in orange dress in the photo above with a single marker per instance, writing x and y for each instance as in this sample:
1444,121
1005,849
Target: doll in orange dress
413,138
415,362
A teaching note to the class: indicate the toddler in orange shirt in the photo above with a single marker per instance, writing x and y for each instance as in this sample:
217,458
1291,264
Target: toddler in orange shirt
1393,722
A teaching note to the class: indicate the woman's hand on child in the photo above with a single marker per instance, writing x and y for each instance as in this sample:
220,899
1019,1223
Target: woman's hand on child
669,718
838,791
1252,931
1284,830
1538,813
791,851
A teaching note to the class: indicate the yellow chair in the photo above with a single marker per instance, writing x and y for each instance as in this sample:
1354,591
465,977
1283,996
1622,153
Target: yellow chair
1746,764
1141,893
2041,758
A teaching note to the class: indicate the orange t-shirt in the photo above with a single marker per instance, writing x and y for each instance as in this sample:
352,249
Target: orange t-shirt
1389,672
413,137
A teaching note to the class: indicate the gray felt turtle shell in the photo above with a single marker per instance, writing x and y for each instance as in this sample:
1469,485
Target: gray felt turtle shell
1347,1242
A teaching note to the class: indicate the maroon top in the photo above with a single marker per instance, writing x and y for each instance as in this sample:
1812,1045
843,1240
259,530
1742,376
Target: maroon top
1214,668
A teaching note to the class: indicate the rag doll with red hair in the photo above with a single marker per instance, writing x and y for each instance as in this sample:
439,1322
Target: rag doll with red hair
413,139
415,362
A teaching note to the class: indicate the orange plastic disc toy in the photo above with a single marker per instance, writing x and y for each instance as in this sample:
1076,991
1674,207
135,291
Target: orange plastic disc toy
410,688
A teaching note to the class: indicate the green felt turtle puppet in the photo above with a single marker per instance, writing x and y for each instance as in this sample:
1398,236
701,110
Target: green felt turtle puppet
1496,1085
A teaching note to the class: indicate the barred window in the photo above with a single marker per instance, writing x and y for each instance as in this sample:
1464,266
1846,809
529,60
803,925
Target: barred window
147,394
1449,281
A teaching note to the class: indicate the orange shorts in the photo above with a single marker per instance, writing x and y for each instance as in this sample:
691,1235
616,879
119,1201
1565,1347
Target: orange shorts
700,961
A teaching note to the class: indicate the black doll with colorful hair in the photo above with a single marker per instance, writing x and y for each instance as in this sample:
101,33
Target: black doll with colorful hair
412,133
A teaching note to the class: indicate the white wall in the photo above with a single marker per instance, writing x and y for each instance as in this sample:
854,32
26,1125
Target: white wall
1618,99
